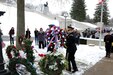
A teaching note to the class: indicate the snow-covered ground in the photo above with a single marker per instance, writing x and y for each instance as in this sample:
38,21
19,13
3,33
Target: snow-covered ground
86,56
32,20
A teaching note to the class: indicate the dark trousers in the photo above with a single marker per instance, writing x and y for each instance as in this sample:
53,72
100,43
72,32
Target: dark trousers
41,43
11,40
36,40
108,50
71,60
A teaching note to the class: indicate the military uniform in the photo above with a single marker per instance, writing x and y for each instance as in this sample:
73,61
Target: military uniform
71,49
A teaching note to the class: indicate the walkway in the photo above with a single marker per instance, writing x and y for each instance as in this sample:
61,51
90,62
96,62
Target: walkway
103,67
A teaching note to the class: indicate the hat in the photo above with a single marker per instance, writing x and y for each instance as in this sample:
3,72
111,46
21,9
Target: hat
51,25
71,27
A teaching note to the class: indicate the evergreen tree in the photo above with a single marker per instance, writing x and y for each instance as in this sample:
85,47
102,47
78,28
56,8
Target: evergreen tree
97,14
78,11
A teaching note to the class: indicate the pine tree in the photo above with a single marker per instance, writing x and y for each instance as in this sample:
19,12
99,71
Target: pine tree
78,11
97,14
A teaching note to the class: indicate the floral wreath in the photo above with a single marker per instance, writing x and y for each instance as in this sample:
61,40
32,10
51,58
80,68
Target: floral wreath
27,62
53,62
14,61
12,48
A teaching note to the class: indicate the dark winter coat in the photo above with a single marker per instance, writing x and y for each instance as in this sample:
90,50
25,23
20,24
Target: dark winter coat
28,34
70,43
108,40
36,33
41,36
1,55
11,32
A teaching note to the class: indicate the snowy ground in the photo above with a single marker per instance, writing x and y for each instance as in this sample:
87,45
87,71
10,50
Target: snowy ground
86,56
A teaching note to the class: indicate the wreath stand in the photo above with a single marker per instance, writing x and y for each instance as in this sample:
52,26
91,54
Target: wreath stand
3,71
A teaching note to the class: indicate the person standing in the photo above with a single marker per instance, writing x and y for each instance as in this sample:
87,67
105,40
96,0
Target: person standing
11,34
1,55
71,49
41,38
108,43
28,34
36,36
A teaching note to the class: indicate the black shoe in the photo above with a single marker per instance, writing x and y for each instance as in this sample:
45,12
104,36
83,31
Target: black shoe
74,71
68,70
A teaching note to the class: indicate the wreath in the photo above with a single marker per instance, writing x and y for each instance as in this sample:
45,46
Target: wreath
27,62
13,49
14,61
53,63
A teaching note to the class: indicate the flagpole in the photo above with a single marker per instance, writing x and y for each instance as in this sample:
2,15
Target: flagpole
101,22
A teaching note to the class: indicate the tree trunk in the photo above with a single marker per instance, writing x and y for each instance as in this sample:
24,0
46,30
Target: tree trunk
20,20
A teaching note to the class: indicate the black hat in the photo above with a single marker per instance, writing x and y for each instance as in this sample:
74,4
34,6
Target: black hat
70,27
51,25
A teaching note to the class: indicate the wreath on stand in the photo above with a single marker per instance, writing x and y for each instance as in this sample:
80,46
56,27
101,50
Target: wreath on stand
16,60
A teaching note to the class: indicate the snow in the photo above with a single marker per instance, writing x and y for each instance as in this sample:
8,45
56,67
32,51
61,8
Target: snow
86,56
32,20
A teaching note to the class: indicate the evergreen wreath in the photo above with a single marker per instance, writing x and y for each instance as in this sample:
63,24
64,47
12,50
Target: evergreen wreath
13,49
14,61
27,62
53,63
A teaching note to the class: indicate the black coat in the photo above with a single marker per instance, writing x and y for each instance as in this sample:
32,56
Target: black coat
28,34
11,32
70,43
108,40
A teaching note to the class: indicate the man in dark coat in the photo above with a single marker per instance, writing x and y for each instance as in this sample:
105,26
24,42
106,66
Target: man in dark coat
36,36
108,43
28,34
71,49
41,38
1,55
11,34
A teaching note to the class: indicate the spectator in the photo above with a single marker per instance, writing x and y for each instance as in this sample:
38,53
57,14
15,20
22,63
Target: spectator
1,55
108,43
11,35
36,36
41,38
28,34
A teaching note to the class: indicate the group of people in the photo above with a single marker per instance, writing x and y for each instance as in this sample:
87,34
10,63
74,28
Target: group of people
39,36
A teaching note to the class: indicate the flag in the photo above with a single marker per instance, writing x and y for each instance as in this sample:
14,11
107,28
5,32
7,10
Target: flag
101,1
